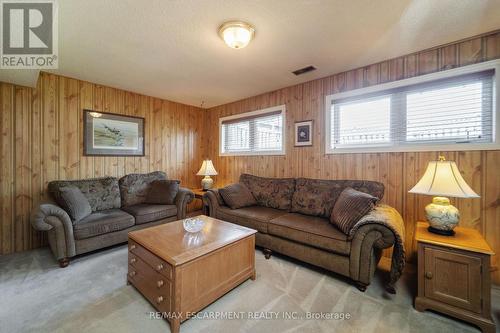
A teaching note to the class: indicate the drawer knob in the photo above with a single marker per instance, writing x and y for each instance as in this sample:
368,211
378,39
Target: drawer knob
159,299
132,247
159,267
133,260
159,283
132,273
428,275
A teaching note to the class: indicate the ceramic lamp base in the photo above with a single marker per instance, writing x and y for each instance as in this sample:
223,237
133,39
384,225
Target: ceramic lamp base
442,216
207,183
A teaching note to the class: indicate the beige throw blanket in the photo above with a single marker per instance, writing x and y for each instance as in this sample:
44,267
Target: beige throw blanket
390,218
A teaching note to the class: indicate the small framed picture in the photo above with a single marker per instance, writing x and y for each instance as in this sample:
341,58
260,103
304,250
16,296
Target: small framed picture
303,133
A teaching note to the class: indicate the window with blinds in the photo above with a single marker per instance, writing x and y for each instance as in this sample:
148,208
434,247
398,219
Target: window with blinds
457,110
253,133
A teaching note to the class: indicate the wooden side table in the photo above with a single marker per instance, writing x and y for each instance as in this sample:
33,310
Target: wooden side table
198,194
454,275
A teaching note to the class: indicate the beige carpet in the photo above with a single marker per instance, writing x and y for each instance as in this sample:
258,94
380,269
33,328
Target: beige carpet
91,296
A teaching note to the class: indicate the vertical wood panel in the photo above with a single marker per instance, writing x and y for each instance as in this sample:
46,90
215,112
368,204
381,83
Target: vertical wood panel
448,57
36,158
470,51
470,167
50,155
410,66
428,62
86,101
7,167
69,122
491,206
22,182
492,46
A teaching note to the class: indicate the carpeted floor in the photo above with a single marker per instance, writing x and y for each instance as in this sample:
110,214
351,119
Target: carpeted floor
91,296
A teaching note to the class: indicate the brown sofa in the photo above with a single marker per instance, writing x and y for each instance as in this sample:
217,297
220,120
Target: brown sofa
292,218
118,207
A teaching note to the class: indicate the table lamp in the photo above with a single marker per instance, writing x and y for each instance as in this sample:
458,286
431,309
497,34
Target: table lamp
442,179
207,169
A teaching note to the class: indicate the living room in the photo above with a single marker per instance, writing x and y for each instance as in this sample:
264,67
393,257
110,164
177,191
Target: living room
250,166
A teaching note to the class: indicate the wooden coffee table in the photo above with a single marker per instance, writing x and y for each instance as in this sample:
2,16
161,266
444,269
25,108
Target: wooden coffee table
180,273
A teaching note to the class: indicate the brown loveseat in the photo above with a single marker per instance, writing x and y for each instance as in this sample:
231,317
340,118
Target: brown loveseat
118,207
292,218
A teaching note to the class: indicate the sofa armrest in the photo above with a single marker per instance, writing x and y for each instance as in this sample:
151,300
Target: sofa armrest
213,200
53,219
184,196
382,228
366,246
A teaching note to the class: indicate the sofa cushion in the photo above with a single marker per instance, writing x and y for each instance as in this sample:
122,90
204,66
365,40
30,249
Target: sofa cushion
134,187
163,192
144,213
255,217
237,196
317,197
270,192
350,207
102,222
310,230
75,203
102,193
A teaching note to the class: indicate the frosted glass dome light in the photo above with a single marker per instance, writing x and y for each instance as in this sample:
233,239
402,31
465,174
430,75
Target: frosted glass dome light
236,34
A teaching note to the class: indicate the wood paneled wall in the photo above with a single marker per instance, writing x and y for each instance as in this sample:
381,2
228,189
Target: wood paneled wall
398,171
42,140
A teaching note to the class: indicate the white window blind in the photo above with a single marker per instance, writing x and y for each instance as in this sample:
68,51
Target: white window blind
449,111
456,112
362,122
253,133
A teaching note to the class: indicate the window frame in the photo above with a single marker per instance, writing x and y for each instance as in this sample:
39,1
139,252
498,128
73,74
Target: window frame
395,146
256,113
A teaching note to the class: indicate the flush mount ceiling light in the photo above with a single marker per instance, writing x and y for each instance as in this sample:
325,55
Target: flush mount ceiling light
236,34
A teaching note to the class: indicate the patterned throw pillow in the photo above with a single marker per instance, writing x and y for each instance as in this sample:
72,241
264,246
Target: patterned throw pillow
134,187
162,192
350,207
237,196
75,203
102,193
270,192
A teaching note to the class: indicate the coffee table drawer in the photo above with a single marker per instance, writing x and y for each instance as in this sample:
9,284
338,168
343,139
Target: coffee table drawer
155,287
159,265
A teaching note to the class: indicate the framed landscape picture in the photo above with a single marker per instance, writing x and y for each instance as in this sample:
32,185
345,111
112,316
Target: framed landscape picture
108,134
303,133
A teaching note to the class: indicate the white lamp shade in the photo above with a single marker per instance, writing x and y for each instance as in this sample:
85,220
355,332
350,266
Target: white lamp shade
207,169
442,178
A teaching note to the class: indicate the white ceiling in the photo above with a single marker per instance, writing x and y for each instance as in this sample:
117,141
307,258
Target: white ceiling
170,48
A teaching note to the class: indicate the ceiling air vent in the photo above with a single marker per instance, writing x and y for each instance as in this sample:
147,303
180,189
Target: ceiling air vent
304,70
